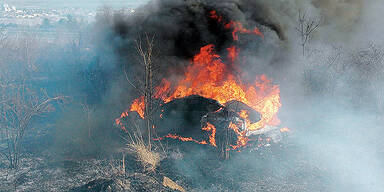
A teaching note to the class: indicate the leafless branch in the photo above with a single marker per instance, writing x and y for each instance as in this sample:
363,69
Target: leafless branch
144,83
21,104
306,26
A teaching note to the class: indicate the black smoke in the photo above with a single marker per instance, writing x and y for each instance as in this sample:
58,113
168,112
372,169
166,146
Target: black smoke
181,28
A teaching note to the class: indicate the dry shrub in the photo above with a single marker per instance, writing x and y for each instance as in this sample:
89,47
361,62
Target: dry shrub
144,154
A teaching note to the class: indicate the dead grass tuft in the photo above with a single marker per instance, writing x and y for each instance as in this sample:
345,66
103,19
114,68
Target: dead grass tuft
144,153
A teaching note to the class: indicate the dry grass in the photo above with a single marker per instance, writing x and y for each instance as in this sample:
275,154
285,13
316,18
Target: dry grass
167,182
144,153
144,150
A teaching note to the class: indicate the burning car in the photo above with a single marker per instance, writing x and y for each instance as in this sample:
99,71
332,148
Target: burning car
213,100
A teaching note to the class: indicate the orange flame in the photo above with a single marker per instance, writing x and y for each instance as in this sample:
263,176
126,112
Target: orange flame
238,28
173,136
212,129
242,140
214,16
233,52
138,105
118,121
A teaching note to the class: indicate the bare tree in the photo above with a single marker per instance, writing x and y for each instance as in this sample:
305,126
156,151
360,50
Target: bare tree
20,104
306,26
144,83
20,100
147,62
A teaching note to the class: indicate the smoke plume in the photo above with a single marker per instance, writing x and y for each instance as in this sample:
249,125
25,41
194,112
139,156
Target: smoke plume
330,96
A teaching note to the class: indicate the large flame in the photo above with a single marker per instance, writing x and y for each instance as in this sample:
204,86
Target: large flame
208,76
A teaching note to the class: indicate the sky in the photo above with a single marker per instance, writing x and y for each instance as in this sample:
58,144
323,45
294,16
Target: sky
91,4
